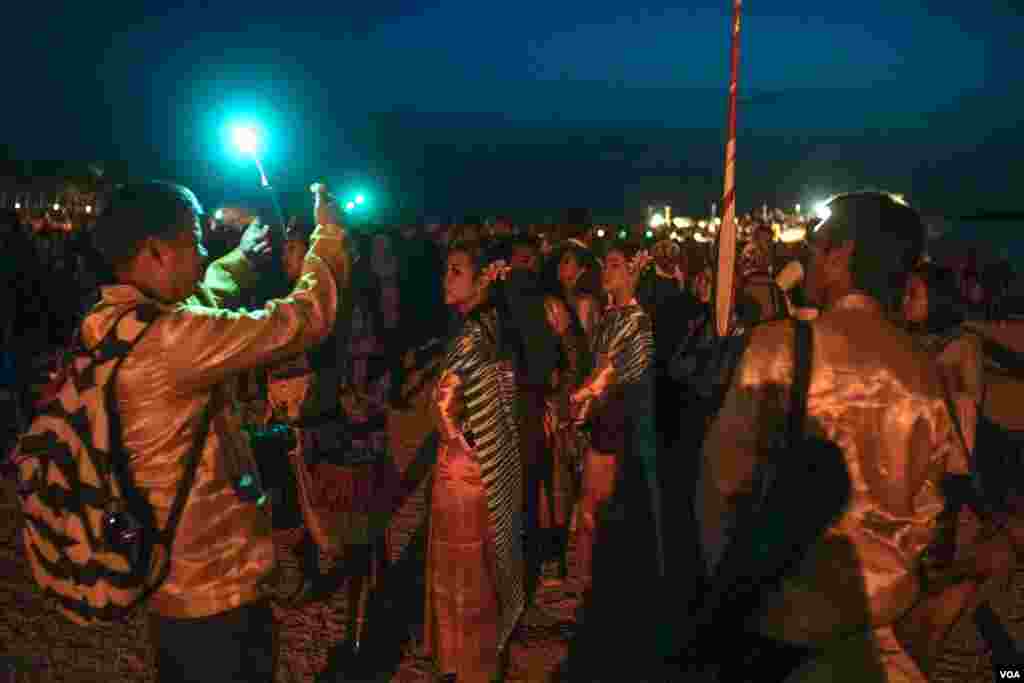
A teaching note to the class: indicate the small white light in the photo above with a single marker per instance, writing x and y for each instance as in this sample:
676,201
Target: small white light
219,214
822,211
600,232
798,208
56,207
701,237
657,220
247,139
17,205
702,224
899,199
88,208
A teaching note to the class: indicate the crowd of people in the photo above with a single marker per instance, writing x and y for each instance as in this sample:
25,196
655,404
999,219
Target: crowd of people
576,394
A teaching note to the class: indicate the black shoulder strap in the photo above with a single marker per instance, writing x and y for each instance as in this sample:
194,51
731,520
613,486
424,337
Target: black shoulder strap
803,349
954,415
165,536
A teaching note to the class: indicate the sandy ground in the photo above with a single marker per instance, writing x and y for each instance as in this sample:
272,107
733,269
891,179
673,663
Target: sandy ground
57,650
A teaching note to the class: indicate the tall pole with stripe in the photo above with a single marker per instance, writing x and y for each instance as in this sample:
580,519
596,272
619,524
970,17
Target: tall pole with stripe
725,271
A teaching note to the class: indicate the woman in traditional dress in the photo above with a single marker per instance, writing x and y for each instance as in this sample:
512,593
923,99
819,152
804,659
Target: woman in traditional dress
619,544
475,573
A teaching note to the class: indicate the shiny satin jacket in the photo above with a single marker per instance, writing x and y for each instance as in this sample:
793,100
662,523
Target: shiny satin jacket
876,396
191,355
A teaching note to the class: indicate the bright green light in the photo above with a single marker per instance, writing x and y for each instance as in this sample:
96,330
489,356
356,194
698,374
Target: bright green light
219,214
622,234
649,234
246,138
360,199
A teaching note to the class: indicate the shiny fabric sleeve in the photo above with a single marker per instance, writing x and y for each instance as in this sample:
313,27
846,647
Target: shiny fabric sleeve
204,345
751,416
227,277
448,410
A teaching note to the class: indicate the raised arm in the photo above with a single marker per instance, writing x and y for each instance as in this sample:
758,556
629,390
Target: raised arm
204,345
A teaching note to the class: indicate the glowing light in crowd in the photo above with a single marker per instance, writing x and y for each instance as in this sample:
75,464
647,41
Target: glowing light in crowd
798,208
674,236
718,221
822,211
682,222
900,199
791,235
219,214
657,220
246,138
649,234
360,199
702,224
701,237
56,207
88,208
622,234
600,232
350,206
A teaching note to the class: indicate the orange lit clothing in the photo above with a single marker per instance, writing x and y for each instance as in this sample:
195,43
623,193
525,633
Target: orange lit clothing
475,574
618,403
878,398
191,355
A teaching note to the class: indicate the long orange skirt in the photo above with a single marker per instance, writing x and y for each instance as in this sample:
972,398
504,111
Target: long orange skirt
462,610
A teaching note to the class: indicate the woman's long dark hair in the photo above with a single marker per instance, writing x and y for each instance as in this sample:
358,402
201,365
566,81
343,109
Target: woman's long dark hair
509,342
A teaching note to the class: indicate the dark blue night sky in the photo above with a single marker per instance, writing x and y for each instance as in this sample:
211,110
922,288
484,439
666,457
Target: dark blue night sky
455,107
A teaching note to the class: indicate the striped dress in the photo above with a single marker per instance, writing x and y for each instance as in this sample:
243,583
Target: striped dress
475,592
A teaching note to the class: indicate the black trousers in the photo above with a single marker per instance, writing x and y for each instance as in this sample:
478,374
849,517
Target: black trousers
237,646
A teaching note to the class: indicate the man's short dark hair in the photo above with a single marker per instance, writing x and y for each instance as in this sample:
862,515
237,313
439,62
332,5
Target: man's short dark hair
888,237
141,211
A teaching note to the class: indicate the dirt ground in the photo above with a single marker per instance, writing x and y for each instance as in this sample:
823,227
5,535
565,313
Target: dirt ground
54,649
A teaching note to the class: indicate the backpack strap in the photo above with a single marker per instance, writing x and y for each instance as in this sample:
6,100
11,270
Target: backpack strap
803,349
165,536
